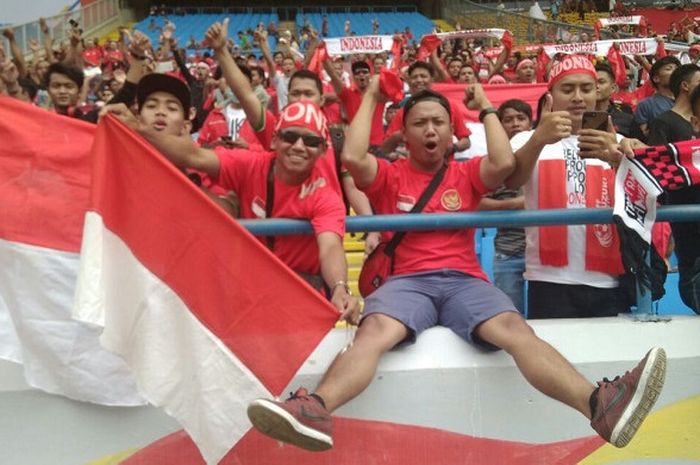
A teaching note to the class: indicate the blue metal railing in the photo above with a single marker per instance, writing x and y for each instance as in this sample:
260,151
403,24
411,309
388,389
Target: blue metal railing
490,219
432,221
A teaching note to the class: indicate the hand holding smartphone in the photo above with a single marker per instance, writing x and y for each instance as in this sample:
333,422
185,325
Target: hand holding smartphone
595,120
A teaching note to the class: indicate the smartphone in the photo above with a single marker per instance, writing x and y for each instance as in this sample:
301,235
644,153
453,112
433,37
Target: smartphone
595,120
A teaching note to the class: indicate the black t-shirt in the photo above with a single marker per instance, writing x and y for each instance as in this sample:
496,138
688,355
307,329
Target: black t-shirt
686,234
624,122
669,127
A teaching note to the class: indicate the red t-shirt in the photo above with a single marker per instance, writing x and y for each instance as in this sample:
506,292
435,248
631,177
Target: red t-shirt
326,163
331,110
351,97
245,173
457,116
93,56
399,185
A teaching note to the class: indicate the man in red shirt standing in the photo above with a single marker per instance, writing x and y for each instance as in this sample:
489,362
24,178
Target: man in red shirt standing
437,280
351,97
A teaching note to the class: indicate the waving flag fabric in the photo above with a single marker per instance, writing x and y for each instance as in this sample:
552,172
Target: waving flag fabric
44,187
205,316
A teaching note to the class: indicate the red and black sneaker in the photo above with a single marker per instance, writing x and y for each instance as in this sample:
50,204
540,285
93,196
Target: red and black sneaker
300,420
624,402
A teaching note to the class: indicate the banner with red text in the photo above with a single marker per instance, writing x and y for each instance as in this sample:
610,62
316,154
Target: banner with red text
358,44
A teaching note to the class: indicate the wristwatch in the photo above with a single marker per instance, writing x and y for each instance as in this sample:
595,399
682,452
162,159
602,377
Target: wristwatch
485,112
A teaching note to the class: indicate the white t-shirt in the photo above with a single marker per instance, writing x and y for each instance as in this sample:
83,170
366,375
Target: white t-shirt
575,272
235,117
281,83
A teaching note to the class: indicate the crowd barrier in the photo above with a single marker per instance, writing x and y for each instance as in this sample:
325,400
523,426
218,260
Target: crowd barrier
488,219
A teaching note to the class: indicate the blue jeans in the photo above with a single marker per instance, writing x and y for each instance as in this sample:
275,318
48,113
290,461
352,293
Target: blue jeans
689,286
508,276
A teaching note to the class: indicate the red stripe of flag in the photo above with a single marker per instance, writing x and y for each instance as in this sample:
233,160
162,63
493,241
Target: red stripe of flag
266,315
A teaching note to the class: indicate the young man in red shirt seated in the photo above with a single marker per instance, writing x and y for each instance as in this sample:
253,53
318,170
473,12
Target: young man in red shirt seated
437,280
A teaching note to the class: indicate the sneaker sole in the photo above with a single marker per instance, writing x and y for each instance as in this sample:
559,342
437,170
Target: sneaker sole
275,422
648,390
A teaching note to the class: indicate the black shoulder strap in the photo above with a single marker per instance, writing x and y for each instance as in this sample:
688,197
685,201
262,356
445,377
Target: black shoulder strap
270,200
418,207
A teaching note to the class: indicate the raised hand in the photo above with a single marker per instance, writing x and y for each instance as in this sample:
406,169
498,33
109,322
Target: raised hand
216,36
139,44
9,33
553,126
43,26
475,98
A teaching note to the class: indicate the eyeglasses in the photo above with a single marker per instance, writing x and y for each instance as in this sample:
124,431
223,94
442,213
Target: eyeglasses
309,140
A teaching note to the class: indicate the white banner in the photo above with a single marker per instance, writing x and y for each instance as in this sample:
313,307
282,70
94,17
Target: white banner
617,20
601,47
358,44
472,34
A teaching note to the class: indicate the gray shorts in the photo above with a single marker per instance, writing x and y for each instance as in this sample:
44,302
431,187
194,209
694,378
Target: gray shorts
445,297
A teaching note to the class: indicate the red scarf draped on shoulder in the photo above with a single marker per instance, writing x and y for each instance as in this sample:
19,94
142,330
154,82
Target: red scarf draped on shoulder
602,247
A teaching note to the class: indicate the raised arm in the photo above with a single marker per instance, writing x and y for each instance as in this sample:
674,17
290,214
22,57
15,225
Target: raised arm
47,39
180,150
17,56
499,163
217,37
440,71
552,127
362,166
261,37
336,82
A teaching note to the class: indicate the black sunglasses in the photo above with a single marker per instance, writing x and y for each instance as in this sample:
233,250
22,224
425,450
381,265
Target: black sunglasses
309,140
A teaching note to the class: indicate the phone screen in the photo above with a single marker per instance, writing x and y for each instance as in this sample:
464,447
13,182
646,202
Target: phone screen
595,120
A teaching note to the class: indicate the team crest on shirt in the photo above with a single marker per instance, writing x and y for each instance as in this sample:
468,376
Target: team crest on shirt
450,200
405,202
258,207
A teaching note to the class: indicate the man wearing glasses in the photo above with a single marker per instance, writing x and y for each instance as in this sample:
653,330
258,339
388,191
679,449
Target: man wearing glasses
283,183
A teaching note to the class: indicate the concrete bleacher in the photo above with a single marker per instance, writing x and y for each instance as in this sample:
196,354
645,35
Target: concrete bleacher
361,23
197,24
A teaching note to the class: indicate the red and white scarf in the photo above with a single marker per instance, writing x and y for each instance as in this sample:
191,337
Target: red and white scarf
602,249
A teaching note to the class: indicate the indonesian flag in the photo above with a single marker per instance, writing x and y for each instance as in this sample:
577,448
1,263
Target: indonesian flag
541,66
204,315
319,56
44,186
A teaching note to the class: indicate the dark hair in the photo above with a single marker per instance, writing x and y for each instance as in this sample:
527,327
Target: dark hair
359,65
421,64
258,70
455,58
695,101
660,63
74,74
306,74
29,87
517,105
606,68
540,106
246,71
426,95
683,73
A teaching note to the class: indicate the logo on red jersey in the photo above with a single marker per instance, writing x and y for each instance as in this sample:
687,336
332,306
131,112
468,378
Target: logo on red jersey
451,200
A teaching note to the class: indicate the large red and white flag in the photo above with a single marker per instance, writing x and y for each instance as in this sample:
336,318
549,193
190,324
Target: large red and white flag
204,315
44,191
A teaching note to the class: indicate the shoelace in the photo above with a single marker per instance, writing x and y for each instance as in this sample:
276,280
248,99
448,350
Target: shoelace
299,394
608,382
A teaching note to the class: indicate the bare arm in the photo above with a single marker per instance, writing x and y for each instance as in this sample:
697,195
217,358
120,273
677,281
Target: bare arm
334,269
180,150
499,162
217,37
17,56
362,166
440,70
261,36
500,62
336,82
553,126
48,41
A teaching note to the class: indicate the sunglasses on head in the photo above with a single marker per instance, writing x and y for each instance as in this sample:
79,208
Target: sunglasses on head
309,140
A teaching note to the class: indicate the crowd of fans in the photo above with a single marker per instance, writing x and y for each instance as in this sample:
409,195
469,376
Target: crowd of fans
231,105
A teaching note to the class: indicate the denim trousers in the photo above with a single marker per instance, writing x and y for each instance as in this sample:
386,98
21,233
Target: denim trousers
508,276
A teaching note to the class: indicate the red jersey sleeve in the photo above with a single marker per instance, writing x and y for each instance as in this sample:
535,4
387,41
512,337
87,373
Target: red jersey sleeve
267,131
459,120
